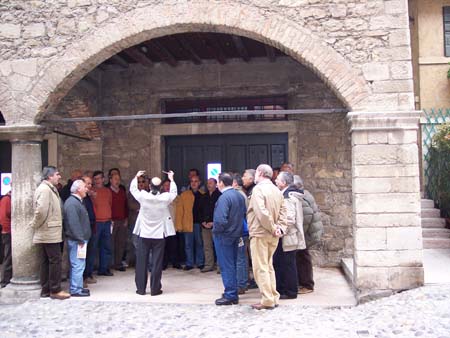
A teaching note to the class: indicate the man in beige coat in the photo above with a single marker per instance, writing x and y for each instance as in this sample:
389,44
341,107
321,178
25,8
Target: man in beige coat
47,225
266,217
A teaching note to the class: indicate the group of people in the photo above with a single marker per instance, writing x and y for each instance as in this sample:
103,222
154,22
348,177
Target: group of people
263,219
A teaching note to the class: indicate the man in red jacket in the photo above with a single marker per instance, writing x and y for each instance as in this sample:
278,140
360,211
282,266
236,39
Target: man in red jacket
119,214
5,221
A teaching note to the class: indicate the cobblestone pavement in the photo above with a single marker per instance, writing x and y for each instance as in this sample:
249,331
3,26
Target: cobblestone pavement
423,312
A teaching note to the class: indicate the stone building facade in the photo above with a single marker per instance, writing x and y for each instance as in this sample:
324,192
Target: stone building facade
362,165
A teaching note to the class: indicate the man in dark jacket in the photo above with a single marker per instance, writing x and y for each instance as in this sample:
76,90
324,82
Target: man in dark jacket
227,229
207,205
92,244
78,231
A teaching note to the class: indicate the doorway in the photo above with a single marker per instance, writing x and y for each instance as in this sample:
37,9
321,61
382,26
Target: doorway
236,152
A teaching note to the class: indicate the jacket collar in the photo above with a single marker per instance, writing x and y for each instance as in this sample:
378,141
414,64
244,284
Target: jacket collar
51,186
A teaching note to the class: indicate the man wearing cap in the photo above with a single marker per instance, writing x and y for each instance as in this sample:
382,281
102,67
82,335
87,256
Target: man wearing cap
153,225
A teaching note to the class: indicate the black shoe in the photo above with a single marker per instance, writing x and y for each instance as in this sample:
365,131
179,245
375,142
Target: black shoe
187,268
156,293
200,267
252,284
121,268
177,266
142,293
224,301
288,297
107,273
45,294
86,290
81,294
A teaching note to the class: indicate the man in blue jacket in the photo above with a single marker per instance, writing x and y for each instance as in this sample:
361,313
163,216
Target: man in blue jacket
227,229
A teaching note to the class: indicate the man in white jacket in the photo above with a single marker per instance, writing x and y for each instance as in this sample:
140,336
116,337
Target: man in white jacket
154,223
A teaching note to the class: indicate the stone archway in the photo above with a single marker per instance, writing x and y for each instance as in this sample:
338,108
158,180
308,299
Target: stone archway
153,21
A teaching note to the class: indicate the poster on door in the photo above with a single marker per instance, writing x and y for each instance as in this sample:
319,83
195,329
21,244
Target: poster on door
6,179
213,170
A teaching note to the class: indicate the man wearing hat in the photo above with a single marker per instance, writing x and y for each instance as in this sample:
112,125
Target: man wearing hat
153,225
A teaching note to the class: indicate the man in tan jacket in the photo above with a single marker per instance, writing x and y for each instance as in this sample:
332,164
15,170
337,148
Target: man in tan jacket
47,225
266,217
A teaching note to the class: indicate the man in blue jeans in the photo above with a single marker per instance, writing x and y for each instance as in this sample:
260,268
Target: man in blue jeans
227,230
78,231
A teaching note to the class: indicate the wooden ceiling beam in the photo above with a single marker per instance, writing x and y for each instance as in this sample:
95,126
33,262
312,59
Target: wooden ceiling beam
188,48
270,51
139,56
162,52
117,59
237,40
213,45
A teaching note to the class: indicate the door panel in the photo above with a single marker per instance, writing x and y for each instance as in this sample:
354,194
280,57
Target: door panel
258,154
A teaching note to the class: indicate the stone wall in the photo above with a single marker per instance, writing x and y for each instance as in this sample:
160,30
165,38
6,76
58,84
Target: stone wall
361,48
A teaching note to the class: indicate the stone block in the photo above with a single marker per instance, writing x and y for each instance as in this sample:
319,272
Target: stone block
10,31
395,7
389,258
404,238
388,202
377,137
34,30
370,238
26,67
365,185
385,102
393,86
403,136
371,277
401,70
387,220
385,22
360,137
394,170
406,101
378,154
376,71
403,278
399,37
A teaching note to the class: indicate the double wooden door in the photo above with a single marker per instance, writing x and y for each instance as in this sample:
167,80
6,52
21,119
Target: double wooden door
235,152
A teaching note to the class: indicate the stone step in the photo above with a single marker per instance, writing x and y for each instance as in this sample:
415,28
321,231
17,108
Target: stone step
428,204
436,243
436,233
429,213
433,223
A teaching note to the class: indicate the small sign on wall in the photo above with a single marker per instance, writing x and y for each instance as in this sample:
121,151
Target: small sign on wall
214,169
6,179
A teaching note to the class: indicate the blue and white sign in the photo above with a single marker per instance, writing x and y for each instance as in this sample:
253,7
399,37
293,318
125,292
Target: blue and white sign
5,187
214,169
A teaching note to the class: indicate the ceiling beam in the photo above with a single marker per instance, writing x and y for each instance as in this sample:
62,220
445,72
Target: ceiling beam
237,40
187,47
270,51
213,45
162,52
139,56
117,59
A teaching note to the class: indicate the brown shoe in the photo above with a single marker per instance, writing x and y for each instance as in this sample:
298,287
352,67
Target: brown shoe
262,307
303,291
60,295
91,280
241,291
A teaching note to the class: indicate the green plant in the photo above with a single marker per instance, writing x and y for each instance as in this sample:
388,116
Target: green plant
441,140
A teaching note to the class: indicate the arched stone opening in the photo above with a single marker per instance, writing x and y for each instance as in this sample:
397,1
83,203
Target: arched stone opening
150,22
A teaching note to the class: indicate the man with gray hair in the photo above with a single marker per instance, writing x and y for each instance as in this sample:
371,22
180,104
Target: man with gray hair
47,225
266,217
248,181
78,231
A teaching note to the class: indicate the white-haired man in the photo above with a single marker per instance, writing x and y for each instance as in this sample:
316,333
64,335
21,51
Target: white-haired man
266,217
77,229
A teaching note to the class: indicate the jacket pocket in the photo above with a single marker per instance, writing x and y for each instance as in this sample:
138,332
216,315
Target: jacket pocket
53,224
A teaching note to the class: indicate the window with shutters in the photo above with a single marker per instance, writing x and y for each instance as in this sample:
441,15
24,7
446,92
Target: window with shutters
447,30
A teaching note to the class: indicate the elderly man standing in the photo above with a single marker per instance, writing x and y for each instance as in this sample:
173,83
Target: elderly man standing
77,228
47,225
266,217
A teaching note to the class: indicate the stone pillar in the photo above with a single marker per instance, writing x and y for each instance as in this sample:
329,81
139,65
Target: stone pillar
386,203
26,172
